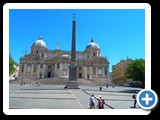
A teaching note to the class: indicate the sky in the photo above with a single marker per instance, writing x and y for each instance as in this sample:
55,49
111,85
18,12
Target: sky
118,32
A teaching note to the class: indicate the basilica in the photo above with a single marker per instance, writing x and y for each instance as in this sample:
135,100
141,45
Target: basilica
44,63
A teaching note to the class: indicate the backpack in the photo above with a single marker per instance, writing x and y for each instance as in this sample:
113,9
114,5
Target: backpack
133,96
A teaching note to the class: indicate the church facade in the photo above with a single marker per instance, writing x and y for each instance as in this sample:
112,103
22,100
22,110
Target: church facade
43,63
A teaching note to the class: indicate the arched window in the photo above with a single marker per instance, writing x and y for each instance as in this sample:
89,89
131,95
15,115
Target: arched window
41,66
37,51
94,54
34,69
94,70
57,65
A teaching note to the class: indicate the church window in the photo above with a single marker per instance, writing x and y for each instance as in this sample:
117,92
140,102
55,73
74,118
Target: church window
94,54
105,71
57,65
41,66
94,70
37,51
35,69
42,54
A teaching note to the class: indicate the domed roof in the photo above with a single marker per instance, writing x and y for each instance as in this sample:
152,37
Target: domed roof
39,42
92,44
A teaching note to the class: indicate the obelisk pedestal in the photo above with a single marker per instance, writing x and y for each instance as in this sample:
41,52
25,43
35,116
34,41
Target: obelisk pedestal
72,83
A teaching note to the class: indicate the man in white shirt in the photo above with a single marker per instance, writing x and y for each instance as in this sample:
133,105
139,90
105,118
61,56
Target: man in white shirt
92,104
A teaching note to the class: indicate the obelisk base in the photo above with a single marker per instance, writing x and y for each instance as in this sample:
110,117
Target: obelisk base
72,85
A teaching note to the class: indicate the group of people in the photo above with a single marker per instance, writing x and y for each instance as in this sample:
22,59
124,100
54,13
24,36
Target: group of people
100,104
101,101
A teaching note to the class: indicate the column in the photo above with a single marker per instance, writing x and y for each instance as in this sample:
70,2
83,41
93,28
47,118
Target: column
32,70
96,72
103,72
38,67
45,55
44,66
108,74
85,72
25,66
60,69
90,72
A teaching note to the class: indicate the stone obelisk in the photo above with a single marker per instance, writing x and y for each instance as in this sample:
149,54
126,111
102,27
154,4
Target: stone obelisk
72,82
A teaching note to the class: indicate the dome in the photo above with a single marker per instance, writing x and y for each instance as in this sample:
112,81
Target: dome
92,44
39,42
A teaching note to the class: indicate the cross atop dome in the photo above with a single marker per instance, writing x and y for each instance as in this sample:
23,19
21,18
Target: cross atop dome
92,40
40,37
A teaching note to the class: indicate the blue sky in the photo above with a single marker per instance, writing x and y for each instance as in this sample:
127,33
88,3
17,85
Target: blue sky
118,32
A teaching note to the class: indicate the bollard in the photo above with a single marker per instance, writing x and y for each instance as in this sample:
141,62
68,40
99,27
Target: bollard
107,85
100,88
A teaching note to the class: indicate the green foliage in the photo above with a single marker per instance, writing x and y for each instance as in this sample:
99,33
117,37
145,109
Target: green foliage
136,70
11,65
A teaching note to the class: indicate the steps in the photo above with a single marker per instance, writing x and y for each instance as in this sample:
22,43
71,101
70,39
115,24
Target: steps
63,81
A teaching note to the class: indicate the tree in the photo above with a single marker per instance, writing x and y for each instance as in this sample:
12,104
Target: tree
136,71
11,65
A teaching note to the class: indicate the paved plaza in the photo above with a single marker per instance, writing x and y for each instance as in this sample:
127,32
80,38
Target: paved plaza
31,96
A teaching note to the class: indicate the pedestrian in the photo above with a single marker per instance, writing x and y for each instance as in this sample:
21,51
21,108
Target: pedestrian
135,99
101,103
92,104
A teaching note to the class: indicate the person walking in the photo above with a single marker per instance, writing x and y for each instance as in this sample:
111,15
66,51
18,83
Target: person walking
101,103
135,99
92,104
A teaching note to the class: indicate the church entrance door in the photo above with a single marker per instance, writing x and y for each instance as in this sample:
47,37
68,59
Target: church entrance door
49,74
80,75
